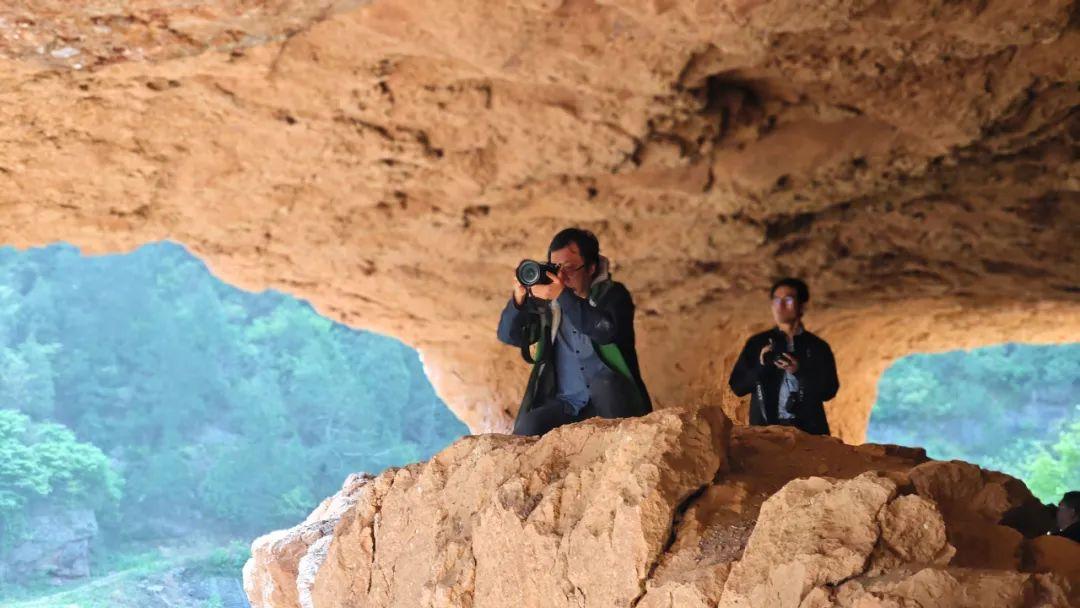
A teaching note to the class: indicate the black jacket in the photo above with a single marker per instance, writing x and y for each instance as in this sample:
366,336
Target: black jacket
817,380
609,322
1072,532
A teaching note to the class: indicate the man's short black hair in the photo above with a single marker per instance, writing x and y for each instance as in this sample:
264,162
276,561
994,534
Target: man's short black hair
799,286
587,244
1072,500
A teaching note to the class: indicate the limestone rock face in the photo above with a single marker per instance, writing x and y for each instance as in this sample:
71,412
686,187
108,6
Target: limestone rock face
56,544
674,510
784,557
497,521
955,588
286,558
1054,554
391,161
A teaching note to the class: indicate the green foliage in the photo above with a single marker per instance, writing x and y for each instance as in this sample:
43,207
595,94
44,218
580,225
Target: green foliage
1052,471
1011,408
223,561
43,461
240,411
131,575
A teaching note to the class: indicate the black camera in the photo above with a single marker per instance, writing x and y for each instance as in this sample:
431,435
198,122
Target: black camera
773,355
531,272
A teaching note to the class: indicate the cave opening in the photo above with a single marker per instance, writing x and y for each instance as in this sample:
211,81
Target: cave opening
155,419
1009,407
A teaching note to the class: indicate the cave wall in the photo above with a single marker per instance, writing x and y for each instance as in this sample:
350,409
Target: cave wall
915,161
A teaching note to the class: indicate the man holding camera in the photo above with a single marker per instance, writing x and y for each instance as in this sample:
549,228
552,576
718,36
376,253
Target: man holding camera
790,371
582,323
1068,516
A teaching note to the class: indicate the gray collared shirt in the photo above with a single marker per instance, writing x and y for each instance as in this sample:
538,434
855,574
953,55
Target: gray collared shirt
577,364
788,388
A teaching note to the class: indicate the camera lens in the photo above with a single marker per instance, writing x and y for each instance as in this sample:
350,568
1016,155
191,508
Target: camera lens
528,273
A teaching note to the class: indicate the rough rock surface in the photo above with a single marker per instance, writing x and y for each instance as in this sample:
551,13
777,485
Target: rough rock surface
287,559
56,544
497,521
675,510
392,160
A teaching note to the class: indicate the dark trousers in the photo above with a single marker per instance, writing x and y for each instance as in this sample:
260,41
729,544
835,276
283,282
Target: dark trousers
605,401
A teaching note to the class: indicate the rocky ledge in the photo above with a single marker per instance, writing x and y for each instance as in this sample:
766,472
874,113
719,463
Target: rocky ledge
675,509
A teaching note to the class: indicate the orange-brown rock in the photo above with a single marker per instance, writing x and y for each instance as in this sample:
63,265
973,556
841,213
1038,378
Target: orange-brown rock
285,557
392,160
785,557
498,521
677,510
955,588
1054,554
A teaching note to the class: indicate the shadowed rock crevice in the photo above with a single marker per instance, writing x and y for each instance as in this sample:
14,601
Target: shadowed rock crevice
673,528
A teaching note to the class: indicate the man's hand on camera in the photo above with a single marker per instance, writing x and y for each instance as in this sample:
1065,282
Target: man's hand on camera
550,291
761,357
520,291
788,363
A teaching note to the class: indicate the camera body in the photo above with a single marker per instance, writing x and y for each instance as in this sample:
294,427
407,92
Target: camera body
773,355
531,272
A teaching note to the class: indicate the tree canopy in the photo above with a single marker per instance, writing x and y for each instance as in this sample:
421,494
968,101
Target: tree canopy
1011,407
43,461
209,403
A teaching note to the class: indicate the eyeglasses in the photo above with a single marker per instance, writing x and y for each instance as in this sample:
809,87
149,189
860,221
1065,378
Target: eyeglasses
570,269
786,300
